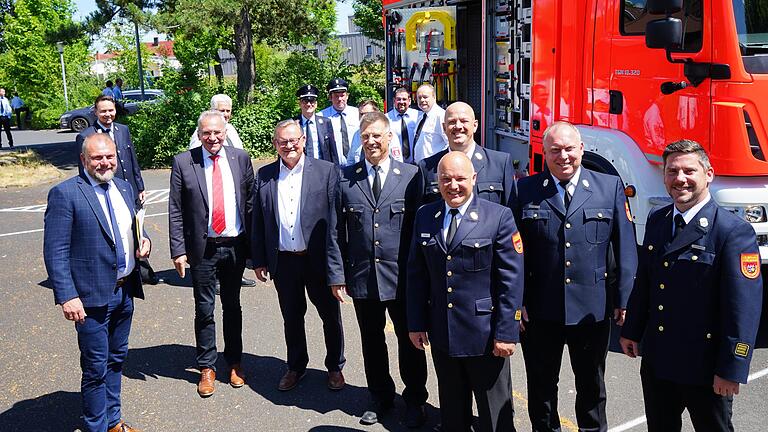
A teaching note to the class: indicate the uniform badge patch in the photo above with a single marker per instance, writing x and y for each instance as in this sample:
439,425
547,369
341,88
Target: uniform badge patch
546,182
703,222
585,183
473,215
396,171
742,349
518,315
629,213
517,241
750,265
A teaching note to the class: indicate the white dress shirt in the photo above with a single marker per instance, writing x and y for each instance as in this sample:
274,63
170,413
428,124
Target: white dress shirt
352,119
122,216
313,132
356,149
395,125
383,171
234,225
447,217
289,207
571,184
111,130
432,138
5,107
233,139
689,214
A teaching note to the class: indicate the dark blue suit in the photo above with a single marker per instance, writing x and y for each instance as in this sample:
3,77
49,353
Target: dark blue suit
293,272
81,260
325,137
127,164
696,308
566,295
495,176
465,295
368,252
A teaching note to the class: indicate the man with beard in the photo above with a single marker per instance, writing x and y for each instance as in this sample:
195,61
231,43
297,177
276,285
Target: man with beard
402,121
91,252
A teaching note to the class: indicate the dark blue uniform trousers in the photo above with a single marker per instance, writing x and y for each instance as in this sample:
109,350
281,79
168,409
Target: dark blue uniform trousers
103,342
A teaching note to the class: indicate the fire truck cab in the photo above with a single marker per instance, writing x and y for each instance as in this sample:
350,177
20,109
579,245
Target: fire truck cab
632,75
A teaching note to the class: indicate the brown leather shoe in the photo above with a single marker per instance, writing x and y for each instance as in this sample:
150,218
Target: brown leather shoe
236,376
122,427
206,385
290,380
335,380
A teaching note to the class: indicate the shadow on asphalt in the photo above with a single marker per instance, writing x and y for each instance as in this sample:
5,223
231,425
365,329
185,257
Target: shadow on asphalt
170,277
63,155
58,411
262,375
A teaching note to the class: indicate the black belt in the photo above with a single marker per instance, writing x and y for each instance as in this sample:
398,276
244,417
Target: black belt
295,253
223,241
120,282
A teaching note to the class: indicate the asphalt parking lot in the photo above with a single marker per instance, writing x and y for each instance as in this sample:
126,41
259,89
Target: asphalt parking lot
39,355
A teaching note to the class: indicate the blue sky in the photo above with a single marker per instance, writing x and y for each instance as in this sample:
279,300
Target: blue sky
84,7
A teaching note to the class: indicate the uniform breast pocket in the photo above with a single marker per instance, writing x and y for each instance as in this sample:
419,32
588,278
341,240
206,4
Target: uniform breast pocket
492,191
699,260
476,254
535,221
354,214
396,211
597,224
431,190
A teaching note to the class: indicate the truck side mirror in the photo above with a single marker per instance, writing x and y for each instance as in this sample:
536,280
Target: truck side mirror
665,33
664,7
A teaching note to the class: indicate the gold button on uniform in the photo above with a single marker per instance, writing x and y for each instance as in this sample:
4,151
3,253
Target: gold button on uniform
490,187
377,260
666,263
661,307
450,273
694,258
650,247
709,335
567,280
661,328
477,245
567,263
376,211
567,244
377,242
423,243
450,305
600,215
376,225
661,286
449,257
450,289
535,215
568,225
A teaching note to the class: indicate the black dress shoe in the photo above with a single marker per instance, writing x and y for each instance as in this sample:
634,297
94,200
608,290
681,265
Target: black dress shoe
374,412
247,282
415,416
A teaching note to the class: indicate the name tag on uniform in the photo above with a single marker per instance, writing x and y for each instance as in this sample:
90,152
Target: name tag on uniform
426,235
698,247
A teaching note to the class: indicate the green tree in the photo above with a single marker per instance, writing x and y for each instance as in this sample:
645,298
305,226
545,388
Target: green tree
368,18
32,66
123,43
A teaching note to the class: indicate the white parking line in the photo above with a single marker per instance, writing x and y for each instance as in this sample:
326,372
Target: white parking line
40,230
641,420
151,197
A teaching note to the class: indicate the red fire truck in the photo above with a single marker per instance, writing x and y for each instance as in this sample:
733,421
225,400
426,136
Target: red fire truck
633,75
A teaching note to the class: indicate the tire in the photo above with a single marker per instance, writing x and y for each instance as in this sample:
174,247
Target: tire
78,124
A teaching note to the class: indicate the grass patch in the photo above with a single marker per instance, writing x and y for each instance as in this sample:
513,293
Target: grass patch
25,168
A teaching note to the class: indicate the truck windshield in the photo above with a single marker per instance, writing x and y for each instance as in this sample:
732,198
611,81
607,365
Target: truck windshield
751,22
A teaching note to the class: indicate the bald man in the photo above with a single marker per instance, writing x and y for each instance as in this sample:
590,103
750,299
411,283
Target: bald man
464,294
495,173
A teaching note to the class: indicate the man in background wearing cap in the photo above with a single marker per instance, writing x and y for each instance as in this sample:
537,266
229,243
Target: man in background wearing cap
320,143
344,118
402,121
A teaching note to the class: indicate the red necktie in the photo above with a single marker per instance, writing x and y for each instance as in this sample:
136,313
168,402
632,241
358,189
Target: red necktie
219,221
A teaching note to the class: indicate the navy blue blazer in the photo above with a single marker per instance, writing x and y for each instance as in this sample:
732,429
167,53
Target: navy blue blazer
697,298
188,200
127,164
470,292
369,240
566,255
80,255
325,136
495,176
319,183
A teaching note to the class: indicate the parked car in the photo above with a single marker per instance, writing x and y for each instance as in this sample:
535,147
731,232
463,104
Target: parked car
81,118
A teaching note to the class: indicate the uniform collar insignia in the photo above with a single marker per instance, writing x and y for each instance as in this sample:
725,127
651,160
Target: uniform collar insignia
358,170
437,215
478,156
396,171
473,215
546,182
585,183
703,222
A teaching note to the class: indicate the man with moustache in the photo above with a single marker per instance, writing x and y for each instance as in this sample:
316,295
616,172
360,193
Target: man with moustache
464,294
294,199
570,219
696,301
402,121
367,259
128,168
356,150
91,253
318,132
344,118
495,174
429,137
209,215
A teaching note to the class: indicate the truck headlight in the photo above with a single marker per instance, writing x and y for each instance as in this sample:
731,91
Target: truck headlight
750,213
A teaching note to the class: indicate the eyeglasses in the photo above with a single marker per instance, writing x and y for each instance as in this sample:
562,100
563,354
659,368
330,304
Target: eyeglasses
208,134
293,142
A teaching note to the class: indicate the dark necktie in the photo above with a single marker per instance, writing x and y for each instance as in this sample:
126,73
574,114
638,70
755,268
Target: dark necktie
2,107
404,138
219,219
452,226
118,239
567,195
376,188
418,130
310,148
679,224
344,136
